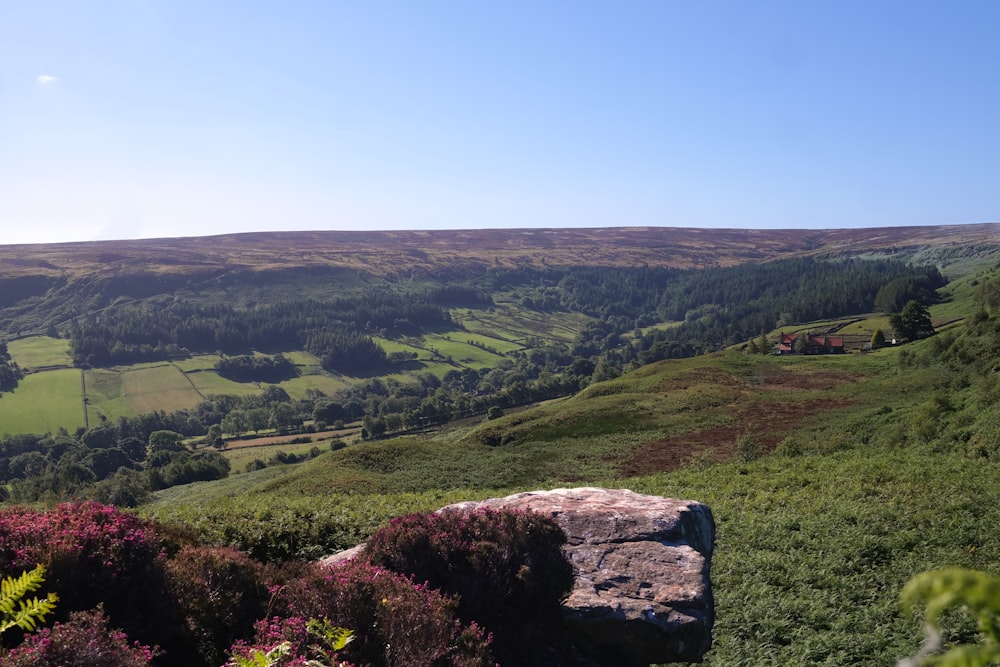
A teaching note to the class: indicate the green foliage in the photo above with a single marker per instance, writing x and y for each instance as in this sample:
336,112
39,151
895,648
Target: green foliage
747,448
331,638
940,591
878,339
15,609
913,322
10,372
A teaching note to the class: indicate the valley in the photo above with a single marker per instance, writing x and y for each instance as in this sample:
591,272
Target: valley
503,361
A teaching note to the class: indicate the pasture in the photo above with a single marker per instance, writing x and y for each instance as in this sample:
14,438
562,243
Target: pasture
298,387
517,325
449,346
198,362
210,383
39,352
43,402
160,387
106,394
239,457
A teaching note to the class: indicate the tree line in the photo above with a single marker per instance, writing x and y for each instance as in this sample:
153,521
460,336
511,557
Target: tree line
336,330
10,372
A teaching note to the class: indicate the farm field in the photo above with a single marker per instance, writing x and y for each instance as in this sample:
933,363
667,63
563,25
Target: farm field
501,345
391,346
43,402
40,351
449,346
239,457
298,387
517,325
106,395
161,387
198,362
208,383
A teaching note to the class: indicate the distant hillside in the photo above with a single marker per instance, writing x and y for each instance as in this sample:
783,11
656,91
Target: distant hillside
406,253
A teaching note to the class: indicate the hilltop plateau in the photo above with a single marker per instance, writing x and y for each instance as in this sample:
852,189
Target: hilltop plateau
464,252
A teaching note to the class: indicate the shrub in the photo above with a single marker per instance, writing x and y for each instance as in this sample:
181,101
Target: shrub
506,567
747,448
92,554
397,623
83,641
221,594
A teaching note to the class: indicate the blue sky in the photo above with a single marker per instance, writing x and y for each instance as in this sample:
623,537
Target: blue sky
147,118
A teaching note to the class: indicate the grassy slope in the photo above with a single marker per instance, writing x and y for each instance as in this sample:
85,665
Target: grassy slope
814,541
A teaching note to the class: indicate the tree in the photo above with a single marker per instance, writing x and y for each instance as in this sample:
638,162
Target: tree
802,343
878,339
913,322
763,344
165,441
214,437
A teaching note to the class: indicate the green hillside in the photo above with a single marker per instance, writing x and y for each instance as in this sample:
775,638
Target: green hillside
833,480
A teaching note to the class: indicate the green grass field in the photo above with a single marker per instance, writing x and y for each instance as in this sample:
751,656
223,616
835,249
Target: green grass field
42,403
302,358
239,458
297,387
517,325
39,352
164,387
106,395
210,383
391,346
501,345
450,345
199,362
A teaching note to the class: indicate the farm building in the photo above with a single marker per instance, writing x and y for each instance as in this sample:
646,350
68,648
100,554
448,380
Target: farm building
815,344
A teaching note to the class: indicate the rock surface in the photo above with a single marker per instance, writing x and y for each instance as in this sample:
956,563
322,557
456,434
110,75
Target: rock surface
642,593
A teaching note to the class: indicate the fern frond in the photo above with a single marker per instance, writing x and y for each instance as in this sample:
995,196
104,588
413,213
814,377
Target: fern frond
15,610
15,588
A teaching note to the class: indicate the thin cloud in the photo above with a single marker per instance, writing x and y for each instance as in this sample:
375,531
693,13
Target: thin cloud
45,79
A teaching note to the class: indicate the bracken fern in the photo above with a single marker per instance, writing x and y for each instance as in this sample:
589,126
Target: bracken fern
15,610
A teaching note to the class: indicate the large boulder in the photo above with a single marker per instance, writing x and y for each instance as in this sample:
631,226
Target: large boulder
642,593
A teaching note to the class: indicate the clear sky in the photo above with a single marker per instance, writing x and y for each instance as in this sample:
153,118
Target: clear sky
145,118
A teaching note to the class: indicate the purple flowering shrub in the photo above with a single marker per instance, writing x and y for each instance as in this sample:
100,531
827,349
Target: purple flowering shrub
506,568
83,641
93,555
221,593
396,623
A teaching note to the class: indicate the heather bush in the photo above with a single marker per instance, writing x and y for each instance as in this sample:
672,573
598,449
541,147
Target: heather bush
84,641
396,623
506,568
221,593
93,554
